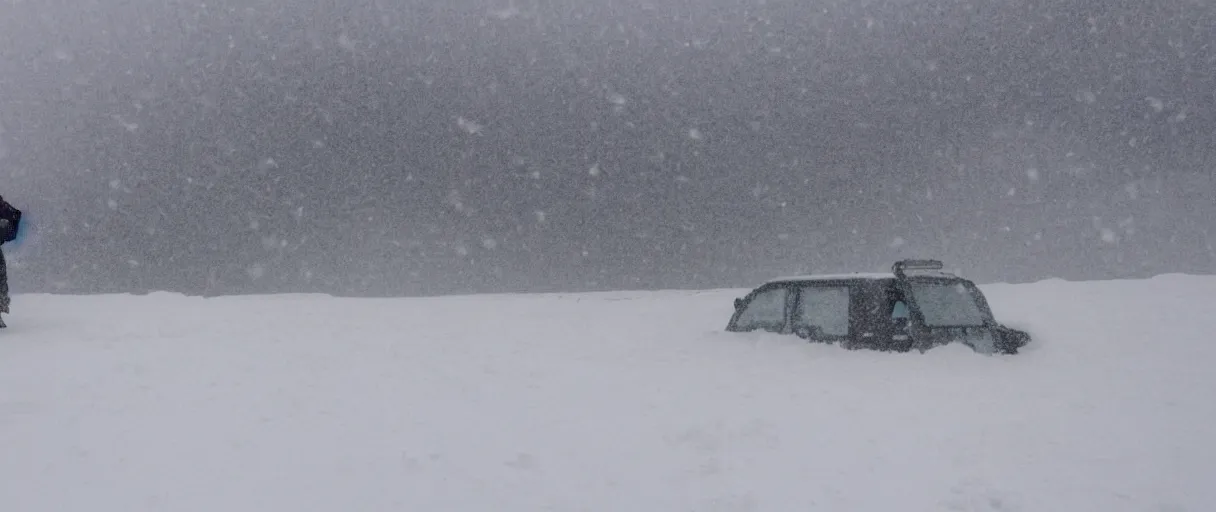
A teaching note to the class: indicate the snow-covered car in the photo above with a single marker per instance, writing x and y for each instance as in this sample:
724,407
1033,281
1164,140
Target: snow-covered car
915,307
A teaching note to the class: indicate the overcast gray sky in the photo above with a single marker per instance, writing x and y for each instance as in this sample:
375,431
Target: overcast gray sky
372,147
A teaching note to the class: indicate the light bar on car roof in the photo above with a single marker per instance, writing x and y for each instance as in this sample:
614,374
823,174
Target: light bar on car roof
902,266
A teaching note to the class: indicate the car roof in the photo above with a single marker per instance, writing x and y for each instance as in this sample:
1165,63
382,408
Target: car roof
860,276
834,277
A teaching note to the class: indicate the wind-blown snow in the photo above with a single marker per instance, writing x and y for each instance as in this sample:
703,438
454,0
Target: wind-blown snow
599,402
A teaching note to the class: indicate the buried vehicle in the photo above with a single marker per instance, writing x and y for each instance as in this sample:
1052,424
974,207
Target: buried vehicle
916,307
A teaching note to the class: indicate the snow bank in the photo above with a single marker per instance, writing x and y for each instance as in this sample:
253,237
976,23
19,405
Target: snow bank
618,401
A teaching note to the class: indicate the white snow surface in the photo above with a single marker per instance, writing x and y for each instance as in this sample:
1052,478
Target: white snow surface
629,401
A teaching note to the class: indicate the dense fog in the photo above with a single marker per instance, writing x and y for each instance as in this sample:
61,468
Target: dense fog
372,147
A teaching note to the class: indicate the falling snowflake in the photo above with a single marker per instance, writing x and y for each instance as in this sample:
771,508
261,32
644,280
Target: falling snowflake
505,13
1155,103
346,42
1133,190
129,126
470,127
1181,115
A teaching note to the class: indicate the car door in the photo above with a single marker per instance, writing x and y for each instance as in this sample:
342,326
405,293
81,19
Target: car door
764,309
890,320
822,312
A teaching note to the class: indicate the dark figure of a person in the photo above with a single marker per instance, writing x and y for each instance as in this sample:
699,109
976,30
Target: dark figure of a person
10,222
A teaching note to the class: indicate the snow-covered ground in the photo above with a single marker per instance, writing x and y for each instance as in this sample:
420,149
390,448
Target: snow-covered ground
631,401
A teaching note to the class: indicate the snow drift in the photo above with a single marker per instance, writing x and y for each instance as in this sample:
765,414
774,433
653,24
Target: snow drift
599,402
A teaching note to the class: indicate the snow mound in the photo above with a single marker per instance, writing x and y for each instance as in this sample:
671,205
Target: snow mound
608,401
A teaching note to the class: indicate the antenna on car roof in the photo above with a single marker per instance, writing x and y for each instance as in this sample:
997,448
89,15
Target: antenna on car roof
902,266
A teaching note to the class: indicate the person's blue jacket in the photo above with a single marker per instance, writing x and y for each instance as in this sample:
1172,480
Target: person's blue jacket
10,221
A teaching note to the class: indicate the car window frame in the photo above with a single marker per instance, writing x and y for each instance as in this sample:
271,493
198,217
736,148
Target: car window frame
853,297
784,328
917,314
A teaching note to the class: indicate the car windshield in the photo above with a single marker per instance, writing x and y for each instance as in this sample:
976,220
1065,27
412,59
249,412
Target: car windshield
947,304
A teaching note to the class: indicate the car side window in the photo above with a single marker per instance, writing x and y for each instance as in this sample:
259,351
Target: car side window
899,309
765,311
825,309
